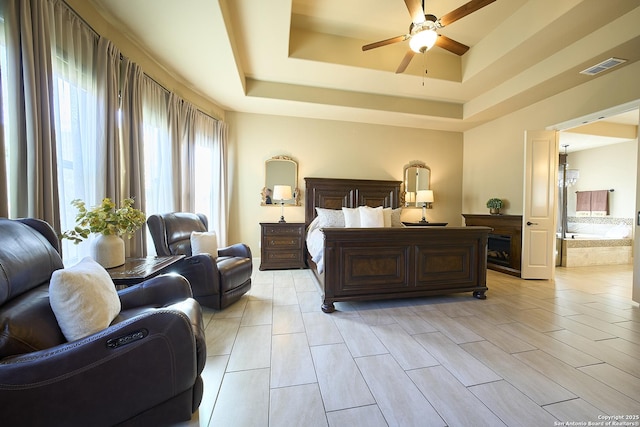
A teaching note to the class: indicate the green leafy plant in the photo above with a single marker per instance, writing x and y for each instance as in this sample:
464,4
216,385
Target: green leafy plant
105,219
494,203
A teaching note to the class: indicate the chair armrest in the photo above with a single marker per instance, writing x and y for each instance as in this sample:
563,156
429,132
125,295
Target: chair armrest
202,273
75,383
193,311
158,291
239,250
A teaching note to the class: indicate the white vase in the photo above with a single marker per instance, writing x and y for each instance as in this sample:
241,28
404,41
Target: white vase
108,250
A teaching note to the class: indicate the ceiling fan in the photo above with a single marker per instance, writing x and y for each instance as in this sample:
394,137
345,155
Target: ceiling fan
422,34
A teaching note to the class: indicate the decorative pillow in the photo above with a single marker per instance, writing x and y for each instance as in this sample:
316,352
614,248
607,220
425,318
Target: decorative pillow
386,214
83,299
330,217
351,217
395,217
371,217
204,242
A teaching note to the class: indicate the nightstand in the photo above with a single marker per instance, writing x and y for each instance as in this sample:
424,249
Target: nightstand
282,245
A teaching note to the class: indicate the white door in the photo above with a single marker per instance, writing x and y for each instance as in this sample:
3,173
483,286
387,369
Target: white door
540,195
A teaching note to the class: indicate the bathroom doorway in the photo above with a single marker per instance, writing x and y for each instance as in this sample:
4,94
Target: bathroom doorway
600,158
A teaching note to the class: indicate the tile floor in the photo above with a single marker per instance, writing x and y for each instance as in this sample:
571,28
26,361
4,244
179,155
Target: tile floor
534,353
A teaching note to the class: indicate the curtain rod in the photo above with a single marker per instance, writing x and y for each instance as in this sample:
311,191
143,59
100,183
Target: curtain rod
122,57
611,190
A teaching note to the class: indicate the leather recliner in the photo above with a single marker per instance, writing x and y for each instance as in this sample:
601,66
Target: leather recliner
151,377
216,282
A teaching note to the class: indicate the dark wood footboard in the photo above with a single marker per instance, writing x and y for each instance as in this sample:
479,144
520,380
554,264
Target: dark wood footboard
380,263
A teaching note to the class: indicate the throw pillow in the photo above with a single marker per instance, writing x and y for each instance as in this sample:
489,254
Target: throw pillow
204,242
351,217
371,217
386,213
396,215
330,217
83,299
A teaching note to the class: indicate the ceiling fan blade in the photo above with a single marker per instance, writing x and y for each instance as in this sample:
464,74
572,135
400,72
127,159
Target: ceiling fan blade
415,10
384,42
451,45
463,11
405,61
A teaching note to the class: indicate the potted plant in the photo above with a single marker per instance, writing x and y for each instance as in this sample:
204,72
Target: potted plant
494,205
110,224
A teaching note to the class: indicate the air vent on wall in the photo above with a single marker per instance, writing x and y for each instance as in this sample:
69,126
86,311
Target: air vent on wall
605,65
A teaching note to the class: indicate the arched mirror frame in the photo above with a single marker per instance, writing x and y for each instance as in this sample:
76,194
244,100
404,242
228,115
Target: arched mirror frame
273,176
422,172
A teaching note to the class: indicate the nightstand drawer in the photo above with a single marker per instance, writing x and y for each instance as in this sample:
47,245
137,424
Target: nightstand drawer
286,230
283,242
295,256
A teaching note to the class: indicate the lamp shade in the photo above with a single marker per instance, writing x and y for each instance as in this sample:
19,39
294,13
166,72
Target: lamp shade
423,41
282,192
424,196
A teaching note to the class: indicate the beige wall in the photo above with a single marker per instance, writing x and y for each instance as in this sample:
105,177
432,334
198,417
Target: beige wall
603,168
494,152
334,149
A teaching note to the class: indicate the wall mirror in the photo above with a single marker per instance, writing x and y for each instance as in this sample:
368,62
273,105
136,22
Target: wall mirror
417,176
280,170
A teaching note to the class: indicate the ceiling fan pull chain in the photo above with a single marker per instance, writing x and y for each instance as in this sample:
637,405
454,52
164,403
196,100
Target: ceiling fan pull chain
424,61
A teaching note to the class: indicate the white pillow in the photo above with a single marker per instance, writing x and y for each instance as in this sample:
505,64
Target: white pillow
371,217
204,242
351,217
386,213
330,217
83,299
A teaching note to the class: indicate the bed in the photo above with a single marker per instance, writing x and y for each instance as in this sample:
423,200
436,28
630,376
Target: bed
387,262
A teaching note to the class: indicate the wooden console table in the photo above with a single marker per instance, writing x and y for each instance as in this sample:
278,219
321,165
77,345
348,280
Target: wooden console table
507,230
136,270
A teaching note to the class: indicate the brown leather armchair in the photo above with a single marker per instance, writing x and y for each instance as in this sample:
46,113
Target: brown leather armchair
215,282
144,369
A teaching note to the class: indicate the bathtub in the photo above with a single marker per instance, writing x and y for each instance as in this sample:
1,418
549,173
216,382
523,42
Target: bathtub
580,249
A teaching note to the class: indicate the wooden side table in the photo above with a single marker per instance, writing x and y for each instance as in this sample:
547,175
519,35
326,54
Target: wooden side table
282,245
136,270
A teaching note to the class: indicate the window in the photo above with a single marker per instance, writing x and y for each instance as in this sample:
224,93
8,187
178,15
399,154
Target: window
158,170
80,152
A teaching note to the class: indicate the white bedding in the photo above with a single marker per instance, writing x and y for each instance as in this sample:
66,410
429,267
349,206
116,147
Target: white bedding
315,246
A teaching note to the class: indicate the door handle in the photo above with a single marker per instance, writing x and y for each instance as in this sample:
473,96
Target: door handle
531,223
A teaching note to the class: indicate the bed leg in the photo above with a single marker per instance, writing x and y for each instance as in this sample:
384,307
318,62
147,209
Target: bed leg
479,295
328,307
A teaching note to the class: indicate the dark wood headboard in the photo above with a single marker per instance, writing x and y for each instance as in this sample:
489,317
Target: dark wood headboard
332,193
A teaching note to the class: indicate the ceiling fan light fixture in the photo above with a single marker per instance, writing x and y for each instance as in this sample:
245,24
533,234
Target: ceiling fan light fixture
422,41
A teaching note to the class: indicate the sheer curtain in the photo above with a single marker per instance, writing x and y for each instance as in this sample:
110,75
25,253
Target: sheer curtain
199,146
158,154
80,120
210,178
